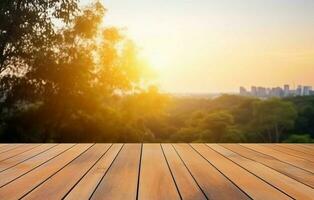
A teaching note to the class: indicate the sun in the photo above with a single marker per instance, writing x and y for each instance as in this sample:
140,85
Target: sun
157,60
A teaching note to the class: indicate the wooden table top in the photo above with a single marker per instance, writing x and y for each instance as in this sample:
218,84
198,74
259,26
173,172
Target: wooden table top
156,171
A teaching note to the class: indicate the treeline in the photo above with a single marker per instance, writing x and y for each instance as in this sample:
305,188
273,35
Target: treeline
231,118
152,117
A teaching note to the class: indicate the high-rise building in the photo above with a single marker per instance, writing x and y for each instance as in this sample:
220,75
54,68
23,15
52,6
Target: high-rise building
253,91
286,90
268,91
306,90
276,92
261,92
298,91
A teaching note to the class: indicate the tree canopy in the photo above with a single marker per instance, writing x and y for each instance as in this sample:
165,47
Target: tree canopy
274,116
61,68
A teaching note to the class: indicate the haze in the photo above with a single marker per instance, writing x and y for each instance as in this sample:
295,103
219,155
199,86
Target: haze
217,46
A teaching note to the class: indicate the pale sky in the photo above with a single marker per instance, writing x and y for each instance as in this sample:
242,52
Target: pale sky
219,45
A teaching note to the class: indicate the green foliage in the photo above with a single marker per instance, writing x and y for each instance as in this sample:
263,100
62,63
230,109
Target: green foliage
305,108
26,29
299,139
216,125
274,116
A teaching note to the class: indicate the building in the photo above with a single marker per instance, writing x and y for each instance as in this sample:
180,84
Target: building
263,92
253,91
277,92
298,91
307,90
243,91
286,90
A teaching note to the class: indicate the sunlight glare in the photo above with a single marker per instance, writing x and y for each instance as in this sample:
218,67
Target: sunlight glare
157,61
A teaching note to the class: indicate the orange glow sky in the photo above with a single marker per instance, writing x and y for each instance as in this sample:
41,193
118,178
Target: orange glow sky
219,45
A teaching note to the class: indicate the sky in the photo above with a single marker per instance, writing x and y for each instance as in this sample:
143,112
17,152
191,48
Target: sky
208,46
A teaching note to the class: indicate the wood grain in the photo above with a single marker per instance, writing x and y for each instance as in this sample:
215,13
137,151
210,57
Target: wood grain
56,187
299,162
24,167
23,185
297,147
284,183
8,147
187,186
120,182
242,178
16,151
298,174
24,156
292,152
214,184
156,171
85,188
156,181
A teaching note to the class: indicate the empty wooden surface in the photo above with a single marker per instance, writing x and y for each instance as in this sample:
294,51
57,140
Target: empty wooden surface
156,181
156,171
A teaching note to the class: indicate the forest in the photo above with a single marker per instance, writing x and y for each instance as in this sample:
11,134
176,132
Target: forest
67,77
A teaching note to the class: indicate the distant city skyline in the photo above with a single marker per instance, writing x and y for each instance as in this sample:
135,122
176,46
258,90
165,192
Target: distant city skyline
278,91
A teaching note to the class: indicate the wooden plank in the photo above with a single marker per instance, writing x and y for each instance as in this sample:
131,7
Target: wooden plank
309,146
298,147
17,151
24,156
2,146
24,167
187,186
9,147
166,172
23,185
286,184
156,181
250,184
62,182
85,188
214,184
299,162
292,152
120,182
300,175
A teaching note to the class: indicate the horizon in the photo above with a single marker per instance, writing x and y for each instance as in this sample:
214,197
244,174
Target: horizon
216,47
292,87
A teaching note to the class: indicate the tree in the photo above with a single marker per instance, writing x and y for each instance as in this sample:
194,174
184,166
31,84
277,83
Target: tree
305,120
145,110
26,28
27,34
273,117
69,86
216,126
